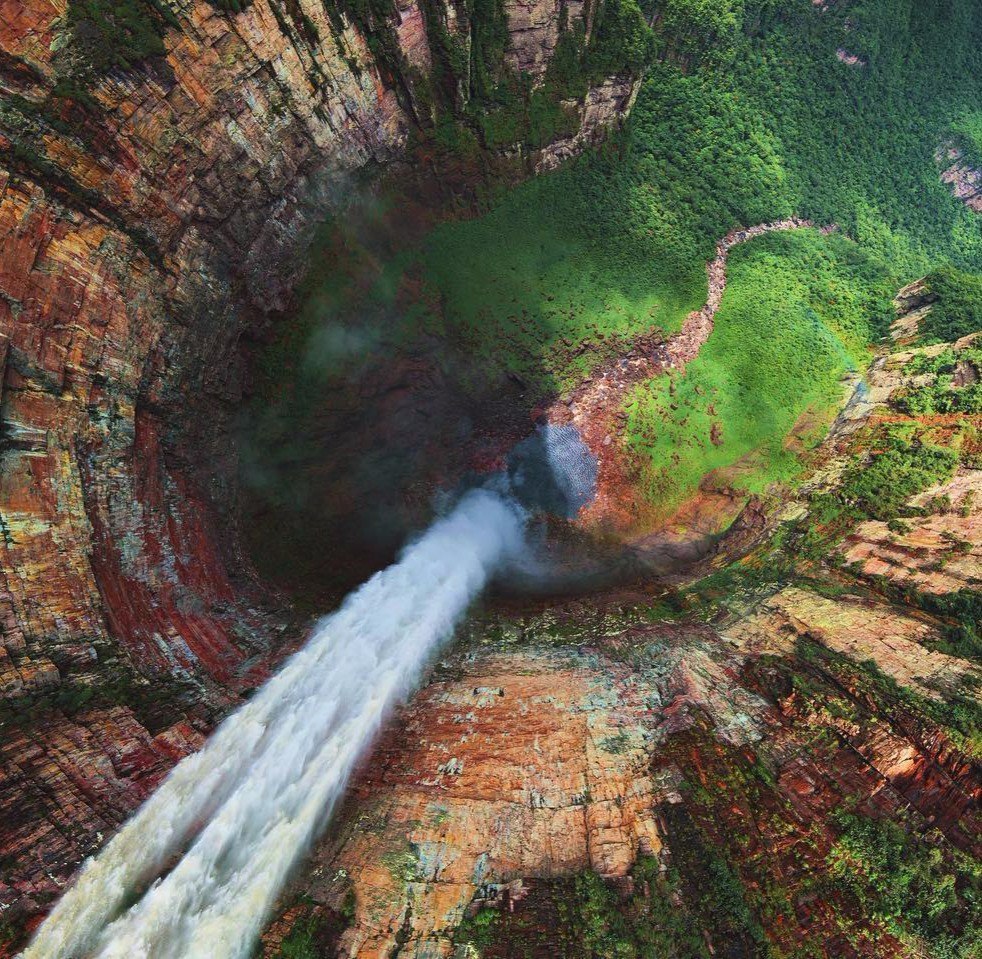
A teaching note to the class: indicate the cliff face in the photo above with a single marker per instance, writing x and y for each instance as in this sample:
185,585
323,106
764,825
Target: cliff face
150,212
562,751
715,761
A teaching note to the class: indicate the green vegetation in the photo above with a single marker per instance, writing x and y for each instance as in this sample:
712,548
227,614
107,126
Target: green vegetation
746,116
710,857
523,304
479,930
647,925
231,6
967,129
622,43
156,704
799,313
749,118
907,465
316,930
961,613
958,310
121,34
959,616
958,712
301,941
502,105
588,918
941,395
903,463
915,883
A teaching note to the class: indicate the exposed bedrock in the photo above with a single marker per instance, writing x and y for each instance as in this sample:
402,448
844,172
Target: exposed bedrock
580,742
154,219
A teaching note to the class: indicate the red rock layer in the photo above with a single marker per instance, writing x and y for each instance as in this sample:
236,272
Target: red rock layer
529,762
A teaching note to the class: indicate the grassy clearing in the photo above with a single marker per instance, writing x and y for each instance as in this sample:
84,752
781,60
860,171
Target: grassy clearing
799,312
520,285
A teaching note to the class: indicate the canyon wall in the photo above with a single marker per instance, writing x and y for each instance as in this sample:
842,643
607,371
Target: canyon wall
151,213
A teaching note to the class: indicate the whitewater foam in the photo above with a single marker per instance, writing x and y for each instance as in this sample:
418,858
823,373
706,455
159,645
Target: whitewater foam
237,815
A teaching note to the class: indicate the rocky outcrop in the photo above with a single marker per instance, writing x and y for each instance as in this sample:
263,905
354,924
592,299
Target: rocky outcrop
67,791
861,631
964,179
600,109
523,763
534,30
939,551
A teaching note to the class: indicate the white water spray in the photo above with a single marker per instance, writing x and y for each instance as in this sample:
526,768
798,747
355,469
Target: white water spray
241,812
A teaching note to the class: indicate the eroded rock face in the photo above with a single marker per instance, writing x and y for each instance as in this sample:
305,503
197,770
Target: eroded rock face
568,744
206,170
111,328
964,179
520,765
939,548
67,791
940,552
534,27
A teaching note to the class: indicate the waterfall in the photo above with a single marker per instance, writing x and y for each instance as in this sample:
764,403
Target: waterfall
212,847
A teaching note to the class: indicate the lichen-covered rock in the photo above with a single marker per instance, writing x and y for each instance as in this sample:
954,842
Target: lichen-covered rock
939,552
964,179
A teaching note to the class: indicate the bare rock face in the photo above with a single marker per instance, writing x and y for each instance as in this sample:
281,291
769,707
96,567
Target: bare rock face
121,245
940,552
964,179
534,28
521,765
68,791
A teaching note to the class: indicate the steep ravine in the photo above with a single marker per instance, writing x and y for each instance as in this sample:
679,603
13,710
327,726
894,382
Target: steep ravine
776,757
149,215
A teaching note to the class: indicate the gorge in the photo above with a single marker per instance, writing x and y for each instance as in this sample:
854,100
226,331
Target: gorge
298,297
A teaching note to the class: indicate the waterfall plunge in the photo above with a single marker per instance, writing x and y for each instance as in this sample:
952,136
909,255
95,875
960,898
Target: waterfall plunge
241,812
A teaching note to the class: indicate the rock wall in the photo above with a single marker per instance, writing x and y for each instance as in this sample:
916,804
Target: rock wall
129,228
568,745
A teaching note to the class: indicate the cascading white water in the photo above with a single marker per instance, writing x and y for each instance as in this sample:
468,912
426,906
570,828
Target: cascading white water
242,811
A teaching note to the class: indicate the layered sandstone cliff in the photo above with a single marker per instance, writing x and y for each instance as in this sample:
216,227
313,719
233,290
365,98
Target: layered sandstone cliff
148,222
727,749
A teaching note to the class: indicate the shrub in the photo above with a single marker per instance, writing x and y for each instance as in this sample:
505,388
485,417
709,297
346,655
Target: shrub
958,310
109,34
911,882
